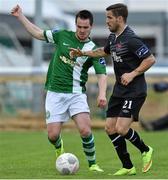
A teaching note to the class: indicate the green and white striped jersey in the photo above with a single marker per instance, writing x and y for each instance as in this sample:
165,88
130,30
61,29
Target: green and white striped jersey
67,75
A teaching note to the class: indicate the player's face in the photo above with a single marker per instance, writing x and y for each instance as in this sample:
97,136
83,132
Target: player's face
83,29
112,22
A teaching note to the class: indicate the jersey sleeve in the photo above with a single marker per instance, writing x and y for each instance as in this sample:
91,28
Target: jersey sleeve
99,65
137,47
52,36
107,46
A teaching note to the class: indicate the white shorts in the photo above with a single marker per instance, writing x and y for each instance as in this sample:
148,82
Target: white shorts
61,106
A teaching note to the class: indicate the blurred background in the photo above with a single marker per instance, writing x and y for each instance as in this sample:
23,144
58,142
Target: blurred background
24,61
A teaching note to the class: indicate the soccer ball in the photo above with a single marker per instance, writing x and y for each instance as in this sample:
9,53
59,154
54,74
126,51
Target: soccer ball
67,163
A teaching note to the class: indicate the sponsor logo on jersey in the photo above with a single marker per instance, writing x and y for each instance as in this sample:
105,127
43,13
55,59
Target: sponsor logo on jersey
142,51
102,61
116,58
69,61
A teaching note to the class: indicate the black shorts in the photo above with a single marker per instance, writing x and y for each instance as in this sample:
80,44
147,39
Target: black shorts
125,107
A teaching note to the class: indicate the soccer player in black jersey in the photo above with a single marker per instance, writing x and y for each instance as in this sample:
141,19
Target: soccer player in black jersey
131,58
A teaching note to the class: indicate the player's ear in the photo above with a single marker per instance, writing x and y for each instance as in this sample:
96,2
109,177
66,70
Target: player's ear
120,18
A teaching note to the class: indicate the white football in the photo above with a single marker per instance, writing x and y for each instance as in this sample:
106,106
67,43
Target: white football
67,163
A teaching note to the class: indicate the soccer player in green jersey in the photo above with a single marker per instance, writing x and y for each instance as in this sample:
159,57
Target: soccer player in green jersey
66,78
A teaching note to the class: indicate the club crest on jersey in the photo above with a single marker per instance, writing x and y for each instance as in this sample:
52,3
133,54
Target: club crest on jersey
47,114
118,46
142,51
102,61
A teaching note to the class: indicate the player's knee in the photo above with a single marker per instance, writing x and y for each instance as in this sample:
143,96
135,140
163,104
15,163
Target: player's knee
52,135
121,130
85,131
110,130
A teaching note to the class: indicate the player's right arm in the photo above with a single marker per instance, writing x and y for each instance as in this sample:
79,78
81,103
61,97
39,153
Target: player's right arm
99,52
34,30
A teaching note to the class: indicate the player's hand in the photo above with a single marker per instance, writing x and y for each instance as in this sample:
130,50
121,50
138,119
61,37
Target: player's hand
16,11
75,53
101,102
126,78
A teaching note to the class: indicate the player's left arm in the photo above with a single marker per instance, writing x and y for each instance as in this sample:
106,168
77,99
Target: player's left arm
143,55
99,65
126,78
102,84
144,66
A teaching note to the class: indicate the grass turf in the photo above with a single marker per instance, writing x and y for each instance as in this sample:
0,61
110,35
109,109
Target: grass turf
28,155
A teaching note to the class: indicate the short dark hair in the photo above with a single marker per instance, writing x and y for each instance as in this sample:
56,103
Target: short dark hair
84,14
119,9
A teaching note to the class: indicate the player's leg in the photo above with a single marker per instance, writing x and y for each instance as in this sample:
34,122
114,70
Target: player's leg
54,131
130,111
114,106
79,111
135,139
56,114
120,147
82,121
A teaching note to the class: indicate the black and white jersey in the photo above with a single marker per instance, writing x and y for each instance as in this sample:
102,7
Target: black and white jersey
127,52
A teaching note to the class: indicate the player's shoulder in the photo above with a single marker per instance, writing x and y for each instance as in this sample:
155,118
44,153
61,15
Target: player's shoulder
91,44
130,36
62,31
112,36
128,33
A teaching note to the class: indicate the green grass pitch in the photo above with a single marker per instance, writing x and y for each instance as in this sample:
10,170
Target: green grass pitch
28,155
